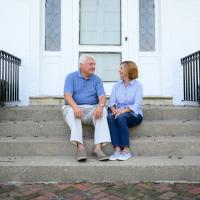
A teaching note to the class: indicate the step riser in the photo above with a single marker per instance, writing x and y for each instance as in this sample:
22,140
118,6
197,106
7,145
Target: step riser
156,158
56,115
96,174
140,148
60,101
147,128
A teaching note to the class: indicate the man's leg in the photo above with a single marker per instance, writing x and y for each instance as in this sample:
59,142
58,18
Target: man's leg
74,124
101,133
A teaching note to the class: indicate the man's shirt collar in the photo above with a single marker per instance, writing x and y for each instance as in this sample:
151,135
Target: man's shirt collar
81,76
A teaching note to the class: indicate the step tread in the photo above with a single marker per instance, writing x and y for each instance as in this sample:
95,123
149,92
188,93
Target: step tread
64,139
66,169
58,107
54,113
71,161
162,121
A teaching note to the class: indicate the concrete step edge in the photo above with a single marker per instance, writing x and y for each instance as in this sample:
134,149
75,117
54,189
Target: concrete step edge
52,146
66,169
64,139
71,161
159,121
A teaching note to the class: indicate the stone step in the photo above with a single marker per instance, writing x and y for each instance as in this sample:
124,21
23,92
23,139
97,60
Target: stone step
53,113
58,100
67,169
59,128
143,146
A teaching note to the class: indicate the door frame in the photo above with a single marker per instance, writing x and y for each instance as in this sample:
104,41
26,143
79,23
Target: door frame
125,48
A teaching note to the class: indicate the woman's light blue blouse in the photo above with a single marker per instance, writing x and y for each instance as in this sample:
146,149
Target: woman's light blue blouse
129,96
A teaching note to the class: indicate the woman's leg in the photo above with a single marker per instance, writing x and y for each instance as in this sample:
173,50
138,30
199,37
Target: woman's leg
124,121
122,126
114,132
134,120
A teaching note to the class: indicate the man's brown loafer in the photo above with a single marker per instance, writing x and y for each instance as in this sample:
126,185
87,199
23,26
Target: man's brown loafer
81,155
100,155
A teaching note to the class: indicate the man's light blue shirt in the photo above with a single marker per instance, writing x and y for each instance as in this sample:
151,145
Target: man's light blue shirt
84,91
129,96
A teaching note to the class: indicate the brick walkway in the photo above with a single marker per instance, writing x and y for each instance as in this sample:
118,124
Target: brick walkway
106,191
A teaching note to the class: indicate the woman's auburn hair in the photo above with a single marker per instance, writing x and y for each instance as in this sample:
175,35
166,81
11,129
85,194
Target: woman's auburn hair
131,68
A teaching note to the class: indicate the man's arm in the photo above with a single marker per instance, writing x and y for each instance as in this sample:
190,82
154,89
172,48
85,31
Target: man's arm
99,109
70,101
102,101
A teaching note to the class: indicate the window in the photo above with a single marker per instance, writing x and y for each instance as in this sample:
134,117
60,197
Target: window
107,65
147,25
53,25
100,22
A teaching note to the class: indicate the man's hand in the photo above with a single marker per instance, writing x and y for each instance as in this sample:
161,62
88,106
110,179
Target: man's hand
98,112
78,112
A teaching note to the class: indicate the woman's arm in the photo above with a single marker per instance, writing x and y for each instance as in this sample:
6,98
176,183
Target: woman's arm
138,99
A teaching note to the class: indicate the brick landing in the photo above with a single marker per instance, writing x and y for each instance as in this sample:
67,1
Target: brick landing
106,191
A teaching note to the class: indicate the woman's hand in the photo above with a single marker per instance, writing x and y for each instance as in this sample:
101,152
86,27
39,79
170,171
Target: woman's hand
114,111
118,111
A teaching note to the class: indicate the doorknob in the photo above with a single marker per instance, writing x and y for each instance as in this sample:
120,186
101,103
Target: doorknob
126,38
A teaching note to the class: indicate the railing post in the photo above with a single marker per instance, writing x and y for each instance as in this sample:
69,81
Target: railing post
191,77
9,77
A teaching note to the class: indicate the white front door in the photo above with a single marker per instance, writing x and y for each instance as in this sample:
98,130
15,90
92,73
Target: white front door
100,28
111,30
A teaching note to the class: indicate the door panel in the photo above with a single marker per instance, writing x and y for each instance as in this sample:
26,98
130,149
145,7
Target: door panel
100,22
107,65
100,34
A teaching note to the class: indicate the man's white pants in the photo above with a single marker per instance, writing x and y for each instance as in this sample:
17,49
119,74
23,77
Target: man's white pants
101,133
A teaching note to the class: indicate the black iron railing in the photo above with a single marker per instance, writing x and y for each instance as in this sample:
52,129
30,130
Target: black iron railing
191,77
9,77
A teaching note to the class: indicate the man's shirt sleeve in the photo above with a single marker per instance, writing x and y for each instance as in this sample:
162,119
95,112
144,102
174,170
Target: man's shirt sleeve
100,88
68,87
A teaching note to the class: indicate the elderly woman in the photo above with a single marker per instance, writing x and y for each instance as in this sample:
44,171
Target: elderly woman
125,109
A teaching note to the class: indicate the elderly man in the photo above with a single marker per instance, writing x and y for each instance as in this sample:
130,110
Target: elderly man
84,103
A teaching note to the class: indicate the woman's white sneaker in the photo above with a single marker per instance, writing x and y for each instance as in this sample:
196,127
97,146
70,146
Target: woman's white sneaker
115,155
125,155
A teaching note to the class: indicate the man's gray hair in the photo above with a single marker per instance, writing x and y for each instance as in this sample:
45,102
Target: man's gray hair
83,57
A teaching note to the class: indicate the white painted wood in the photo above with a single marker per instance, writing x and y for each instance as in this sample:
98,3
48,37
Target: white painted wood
149,63
122,49
56,64
43,73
